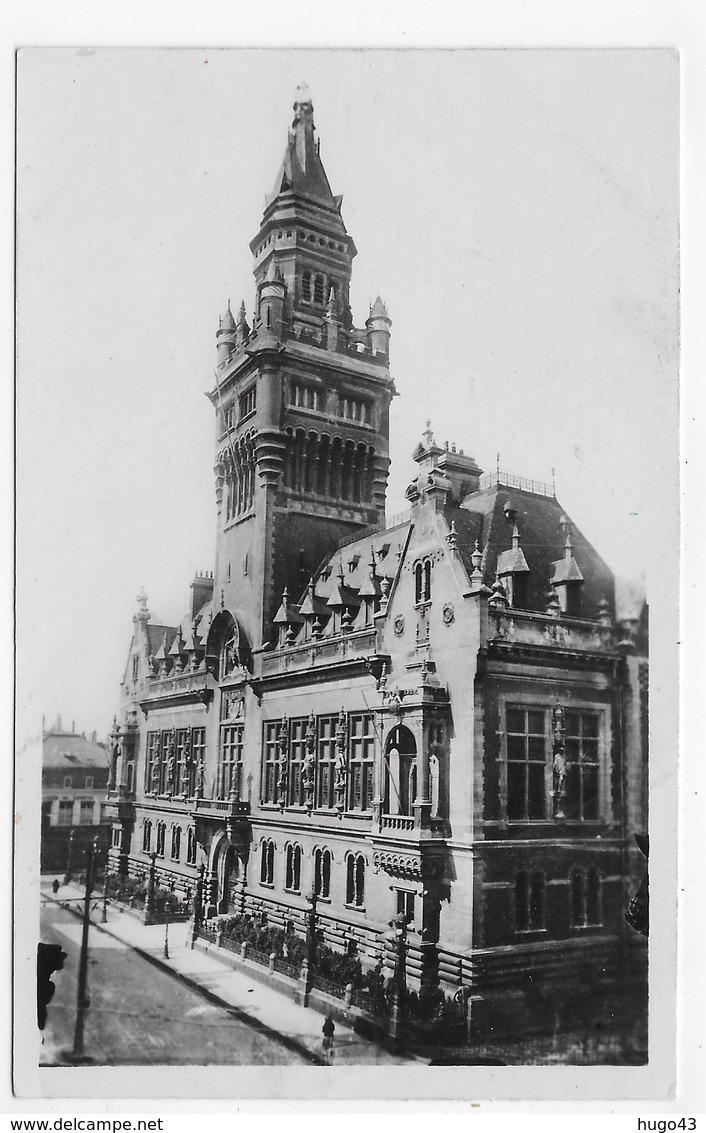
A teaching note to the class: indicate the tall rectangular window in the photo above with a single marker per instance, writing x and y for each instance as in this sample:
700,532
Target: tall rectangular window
86,812
269,767
297,755
526,764
66,810
582,766
362,748
151,759
326,761
182,736
230,778
198,754
247,403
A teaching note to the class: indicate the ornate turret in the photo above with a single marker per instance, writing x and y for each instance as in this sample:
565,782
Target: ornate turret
226,335
378,327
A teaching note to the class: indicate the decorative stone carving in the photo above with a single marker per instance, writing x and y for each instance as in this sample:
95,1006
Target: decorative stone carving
448,614
559,762
339,786
308,770
283,762
398,625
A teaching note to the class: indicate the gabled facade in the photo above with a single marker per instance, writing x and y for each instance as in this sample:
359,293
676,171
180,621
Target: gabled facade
440,714
74,782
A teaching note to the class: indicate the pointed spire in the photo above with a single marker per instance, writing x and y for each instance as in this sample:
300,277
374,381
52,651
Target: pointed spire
228,322
452,537
515,538
378,310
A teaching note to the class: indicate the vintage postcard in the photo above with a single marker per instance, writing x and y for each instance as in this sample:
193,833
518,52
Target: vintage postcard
347,458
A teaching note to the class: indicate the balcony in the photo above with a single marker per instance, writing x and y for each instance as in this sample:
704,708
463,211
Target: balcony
517,628
354,646
221,809
397,822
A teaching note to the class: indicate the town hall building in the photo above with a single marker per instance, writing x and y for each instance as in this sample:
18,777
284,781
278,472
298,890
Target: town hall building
441,713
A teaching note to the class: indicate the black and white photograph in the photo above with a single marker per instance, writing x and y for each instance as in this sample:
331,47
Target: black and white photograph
347,472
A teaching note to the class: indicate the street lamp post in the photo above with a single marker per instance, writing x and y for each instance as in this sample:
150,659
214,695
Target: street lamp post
104,916
399,987
198,904
311,901
77,1053
149,904
69,860
166,931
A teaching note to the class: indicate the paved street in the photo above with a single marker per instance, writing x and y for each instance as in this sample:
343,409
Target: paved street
140,1014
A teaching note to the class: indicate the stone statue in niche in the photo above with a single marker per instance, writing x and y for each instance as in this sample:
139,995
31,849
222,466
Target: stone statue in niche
559,762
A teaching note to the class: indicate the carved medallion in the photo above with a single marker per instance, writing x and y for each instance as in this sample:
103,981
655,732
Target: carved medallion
398,625
448,614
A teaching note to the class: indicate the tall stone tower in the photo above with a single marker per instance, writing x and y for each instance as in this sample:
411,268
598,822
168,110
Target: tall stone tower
302,399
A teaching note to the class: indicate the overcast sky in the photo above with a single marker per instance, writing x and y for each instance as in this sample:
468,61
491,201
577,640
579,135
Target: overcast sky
516,210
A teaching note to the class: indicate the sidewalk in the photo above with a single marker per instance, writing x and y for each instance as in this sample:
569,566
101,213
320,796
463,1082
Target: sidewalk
265,1008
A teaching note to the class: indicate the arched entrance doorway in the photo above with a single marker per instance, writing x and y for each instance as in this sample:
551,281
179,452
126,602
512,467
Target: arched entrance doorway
400,771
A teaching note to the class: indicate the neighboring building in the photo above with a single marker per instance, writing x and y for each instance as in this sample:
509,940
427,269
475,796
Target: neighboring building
74,782
440,714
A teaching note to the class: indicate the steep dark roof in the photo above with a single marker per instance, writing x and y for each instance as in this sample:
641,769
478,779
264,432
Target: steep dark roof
542,540
63,749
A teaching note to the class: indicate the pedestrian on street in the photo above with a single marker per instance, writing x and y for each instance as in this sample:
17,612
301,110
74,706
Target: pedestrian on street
328,1029
55,886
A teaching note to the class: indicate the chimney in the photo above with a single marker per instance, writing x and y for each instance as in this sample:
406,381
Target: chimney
201,592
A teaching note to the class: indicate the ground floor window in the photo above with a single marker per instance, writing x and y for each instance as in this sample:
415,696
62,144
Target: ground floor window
405,905
267,863
355,880
529,902
191,846
65,815
176,843
161,836
146,836
294,868
586,897
322,873
86,812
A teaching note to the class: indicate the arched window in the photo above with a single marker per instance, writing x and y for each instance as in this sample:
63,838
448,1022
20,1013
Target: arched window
322,873
161,835
306,286
176,843
319,289
422,582
530,901
191,846
146,836
593,897
578,899
294,868
355,880
418,583
400,771
267,863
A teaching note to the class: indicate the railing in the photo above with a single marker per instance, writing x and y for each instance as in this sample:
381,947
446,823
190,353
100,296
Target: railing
397,822
224,806
338,991
508,480
287,967
354,644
